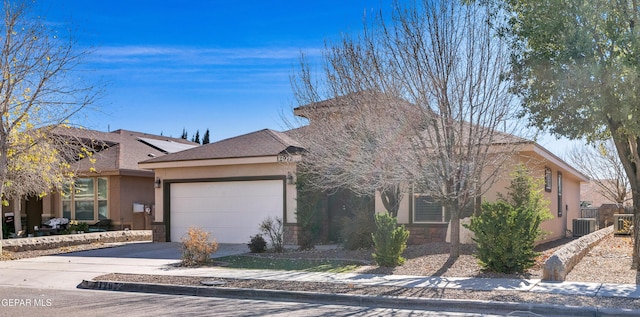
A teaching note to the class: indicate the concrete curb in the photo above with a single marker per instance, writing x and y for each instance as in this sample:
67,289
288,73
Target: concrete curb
449,305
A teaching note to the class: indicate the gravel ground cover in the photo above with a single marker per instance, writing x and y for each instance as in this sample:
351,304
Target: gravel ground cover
607,262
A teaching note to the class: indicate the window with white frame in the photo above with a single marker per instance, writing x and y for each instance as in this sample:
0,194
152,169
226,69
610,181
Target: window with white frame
426,209
86,199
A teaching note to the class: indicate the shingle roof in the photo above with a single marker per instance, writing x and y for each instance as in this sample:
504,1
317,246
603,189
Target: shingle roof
122,149
259,143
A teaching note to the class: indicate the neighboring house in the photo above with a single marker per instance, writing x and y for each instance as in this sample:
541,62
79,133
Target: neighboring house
107,188
591,193
227,188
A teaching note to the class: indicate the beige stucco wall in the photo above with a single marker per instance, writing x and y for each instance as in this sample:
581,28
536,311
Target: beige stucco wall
225,171
403,210
556,226
132,190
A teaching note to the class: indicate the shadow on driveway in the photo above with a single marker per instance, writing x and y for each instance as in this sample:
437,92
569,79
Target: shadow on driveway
155,250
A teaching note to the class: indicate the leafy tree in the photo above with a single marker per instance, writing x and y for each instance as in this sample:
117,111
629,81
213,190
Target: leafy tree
205,138
418,98
184,135
196,137
576,67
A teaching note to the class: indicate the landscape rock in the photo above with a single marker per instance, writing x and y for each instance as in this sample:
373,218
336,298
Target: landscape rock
564,259
56,241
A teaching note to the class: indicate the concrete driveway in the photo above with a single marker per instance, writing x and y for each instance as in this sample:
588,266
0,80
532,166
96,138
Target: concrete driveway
156,250
66,271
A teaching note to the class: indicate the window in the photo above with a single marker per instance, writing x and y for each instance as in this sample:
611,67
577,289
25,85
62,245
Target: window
426,209
560,205
86,200
547,179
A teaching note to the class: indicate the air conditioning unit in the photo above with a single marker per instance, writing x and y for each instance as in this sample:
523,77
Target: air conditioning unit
583,226
622,223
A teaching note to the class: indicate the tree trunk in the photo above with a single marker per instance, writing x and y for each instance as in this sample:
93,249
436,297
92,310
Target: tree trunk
391,200
455,235
628,151
636,231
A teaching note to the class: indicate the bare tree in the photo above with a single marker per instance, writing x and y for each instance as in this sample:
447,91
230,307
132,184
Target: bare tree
601,163
416,101
39,95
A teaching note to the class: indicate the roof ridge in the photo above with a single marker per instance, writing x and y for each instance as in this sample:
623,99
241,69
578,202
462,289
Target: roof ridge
275,136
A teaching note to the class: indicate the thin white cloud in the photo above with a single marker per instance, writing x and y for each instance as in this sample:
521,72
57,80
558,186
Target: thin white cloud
190,55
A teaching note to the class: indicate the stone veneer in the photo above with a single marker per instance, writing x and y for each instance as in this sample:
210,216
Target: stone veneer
426,233
290,234
564,259
159,232
52,242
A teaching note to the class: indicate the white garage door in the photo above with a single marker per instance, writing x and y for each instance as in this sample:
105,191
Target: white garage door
231,211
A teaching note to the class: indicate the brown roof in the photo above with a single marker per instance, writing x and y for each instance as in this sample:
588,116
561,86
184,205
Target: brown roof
120,150
259,143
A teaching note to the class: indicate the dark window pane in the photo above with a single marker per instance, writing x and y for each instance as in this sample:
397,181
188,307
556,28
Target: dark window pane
103,211
66,209
427,210
102,188
84,210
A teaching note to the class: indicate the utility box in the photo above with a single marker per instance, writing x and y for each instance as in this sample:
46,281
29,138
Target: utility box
138,207
583,226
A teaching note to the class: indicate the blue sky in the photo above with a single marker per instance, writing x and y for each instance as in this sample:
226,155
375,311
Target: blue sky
197,64
221,65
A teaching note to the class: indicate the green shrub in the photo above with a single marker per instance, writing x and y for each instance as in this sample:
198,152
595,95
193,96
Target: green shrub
308,213
389,240
76,227
506,230
357,229
505,237
272,227
197,247
257,244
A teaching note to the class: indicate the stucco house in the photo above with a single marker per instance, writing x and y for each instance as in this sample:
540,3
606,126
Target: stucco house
112,187
229,187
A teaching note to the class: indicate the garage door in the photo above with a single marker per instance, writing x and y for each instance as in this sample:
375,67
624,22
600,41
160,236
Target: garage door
231,211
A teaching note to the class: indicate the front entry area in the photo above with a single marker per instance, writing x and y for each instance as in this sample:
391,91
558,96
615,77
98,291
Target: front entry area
33,209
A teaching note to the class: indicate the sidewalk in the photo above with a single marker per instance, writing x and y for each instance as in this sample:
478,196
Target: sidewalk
78,270
450,305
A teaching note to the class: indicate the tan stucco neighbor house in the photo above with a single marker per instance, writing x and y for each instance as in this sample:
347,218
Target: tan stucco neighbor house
229,187
112,187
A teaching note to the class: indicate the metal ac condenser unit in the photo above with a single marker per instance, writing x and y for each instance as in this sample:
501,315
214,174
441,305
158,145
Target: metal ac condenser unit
622,223
583,226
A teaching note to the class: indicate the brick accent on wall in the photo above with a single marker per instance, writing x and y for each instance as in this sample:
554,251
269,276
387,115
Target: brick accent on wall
425,233
290,234
159,232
